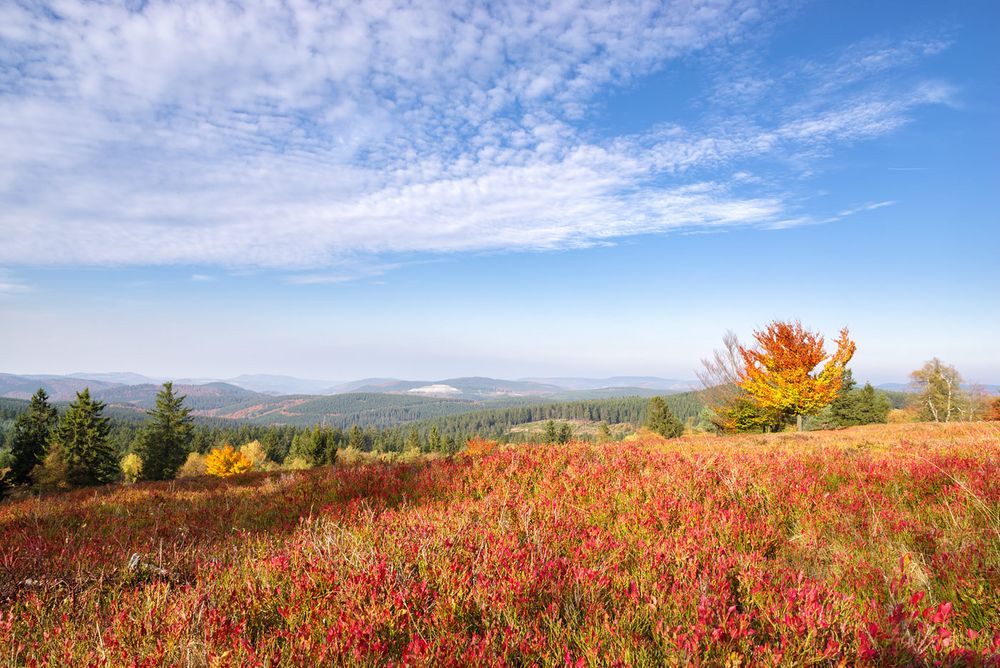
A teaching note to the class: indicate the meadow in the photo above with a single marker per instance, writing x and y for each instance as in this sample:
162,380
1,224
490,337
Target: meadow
874,545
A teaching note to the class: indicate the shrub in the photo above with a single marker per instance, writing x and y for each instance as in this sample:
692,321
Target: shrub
193,467
131,468
255,452
225,462
51,474
296,464
347,456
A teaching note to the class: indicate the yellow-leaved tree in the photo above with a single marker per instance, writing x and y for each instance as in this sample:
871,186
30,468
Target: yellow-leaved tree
227,461
780,373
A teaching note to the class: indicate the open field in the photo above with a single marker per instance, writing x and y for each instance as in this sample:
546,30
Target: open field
874,545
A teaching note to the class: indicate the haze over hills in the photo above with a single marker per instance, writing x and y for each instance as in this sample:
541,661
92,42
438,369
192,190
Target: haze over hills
267,399
64,387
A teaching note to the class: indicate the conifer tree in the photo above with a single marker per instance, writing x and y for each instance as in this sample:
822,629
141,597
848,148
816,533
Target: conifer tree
565,433
356,438
30,439
434,440
165,442
551,434
80,443
661,421
412,440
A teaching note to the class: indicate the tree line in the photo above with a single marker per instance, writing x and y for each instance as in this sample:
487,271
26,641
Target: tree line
786,377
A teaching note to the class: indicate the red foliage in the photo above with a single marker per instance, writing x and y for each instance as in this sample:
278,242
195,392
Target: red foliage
878,548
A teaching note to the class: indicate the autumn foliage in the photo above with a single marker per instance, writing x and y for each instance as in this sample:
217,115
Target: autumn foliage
872,546
779,373
226,461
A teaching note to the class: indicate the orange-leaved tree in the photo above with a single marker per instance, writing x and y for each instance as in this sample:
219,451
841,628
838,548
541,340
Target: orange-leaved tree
779,373
226,461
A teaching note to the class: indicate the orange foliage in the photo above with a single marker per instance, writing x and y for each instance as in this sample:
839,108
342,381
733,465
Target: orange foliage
226,461
994,413
778,372
479,446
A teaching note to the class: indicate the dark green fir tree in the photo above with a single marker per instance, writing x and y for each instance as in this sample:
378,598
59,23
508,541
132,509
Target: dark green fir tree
30,438
80,443
661,421
166,440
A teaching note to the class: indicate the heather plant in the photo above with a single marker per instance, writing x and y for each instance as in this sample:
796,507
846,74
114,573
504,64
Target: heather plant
869,546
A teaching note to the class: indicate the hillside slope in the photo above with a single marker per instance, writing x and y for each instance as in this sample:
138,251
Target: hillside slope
869,546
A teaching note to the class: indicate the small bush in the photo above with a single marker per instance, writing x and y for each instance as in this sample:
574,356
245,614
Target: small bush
226,461
193,467
131,468
296,464
255,452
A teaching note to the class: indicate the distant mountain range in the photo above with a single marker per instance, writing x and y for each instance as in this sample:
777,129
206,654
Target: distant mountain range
370,401
266,399
64,388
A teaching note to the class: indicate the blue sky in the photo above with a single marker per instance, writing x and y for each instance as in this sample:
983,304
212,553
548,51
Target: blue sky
510,189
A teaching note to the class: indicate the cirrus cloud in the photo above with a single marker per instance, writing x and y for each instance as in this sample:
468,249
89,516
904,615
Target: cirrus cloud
298,135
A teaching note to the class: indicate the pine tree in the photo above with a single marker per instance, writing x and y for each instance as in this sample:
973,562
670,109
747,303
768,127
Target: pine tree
356,438
30,439
873,406
80,443
412,440
551,434
661,421
328,441
434,440
565,434
843,409
166,441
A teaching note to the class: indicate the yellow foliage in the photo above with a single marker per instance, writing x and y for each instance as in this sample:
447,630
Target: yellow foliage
226,461
255,452
296,464
193,467
131,468
645,435
778,373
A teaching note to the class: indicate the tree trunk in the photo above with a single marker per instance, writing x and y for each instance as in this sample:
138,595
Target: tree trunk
798,421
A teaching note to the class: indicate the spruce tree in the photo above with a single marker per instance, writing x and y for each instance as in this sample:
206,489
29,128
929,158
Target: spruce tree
30,439
165,442
356,438
434,440
661,421
80,443
413,440
565,434
551,433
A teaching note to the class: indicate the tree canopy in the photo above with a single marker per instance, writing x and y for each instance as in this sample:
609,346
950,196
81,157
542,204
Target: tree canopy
779,371
165,442
30,439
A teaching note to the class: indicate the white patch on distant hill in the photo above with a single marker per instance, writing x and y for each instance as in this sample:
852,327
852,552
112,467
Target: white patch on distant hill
436,389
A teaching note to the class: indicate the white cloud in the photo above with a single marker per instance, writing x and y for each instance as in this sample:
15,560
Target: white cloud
302,136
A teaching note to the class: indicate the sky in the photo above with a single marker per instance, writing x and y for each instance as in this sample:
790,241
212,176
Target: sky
439,189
